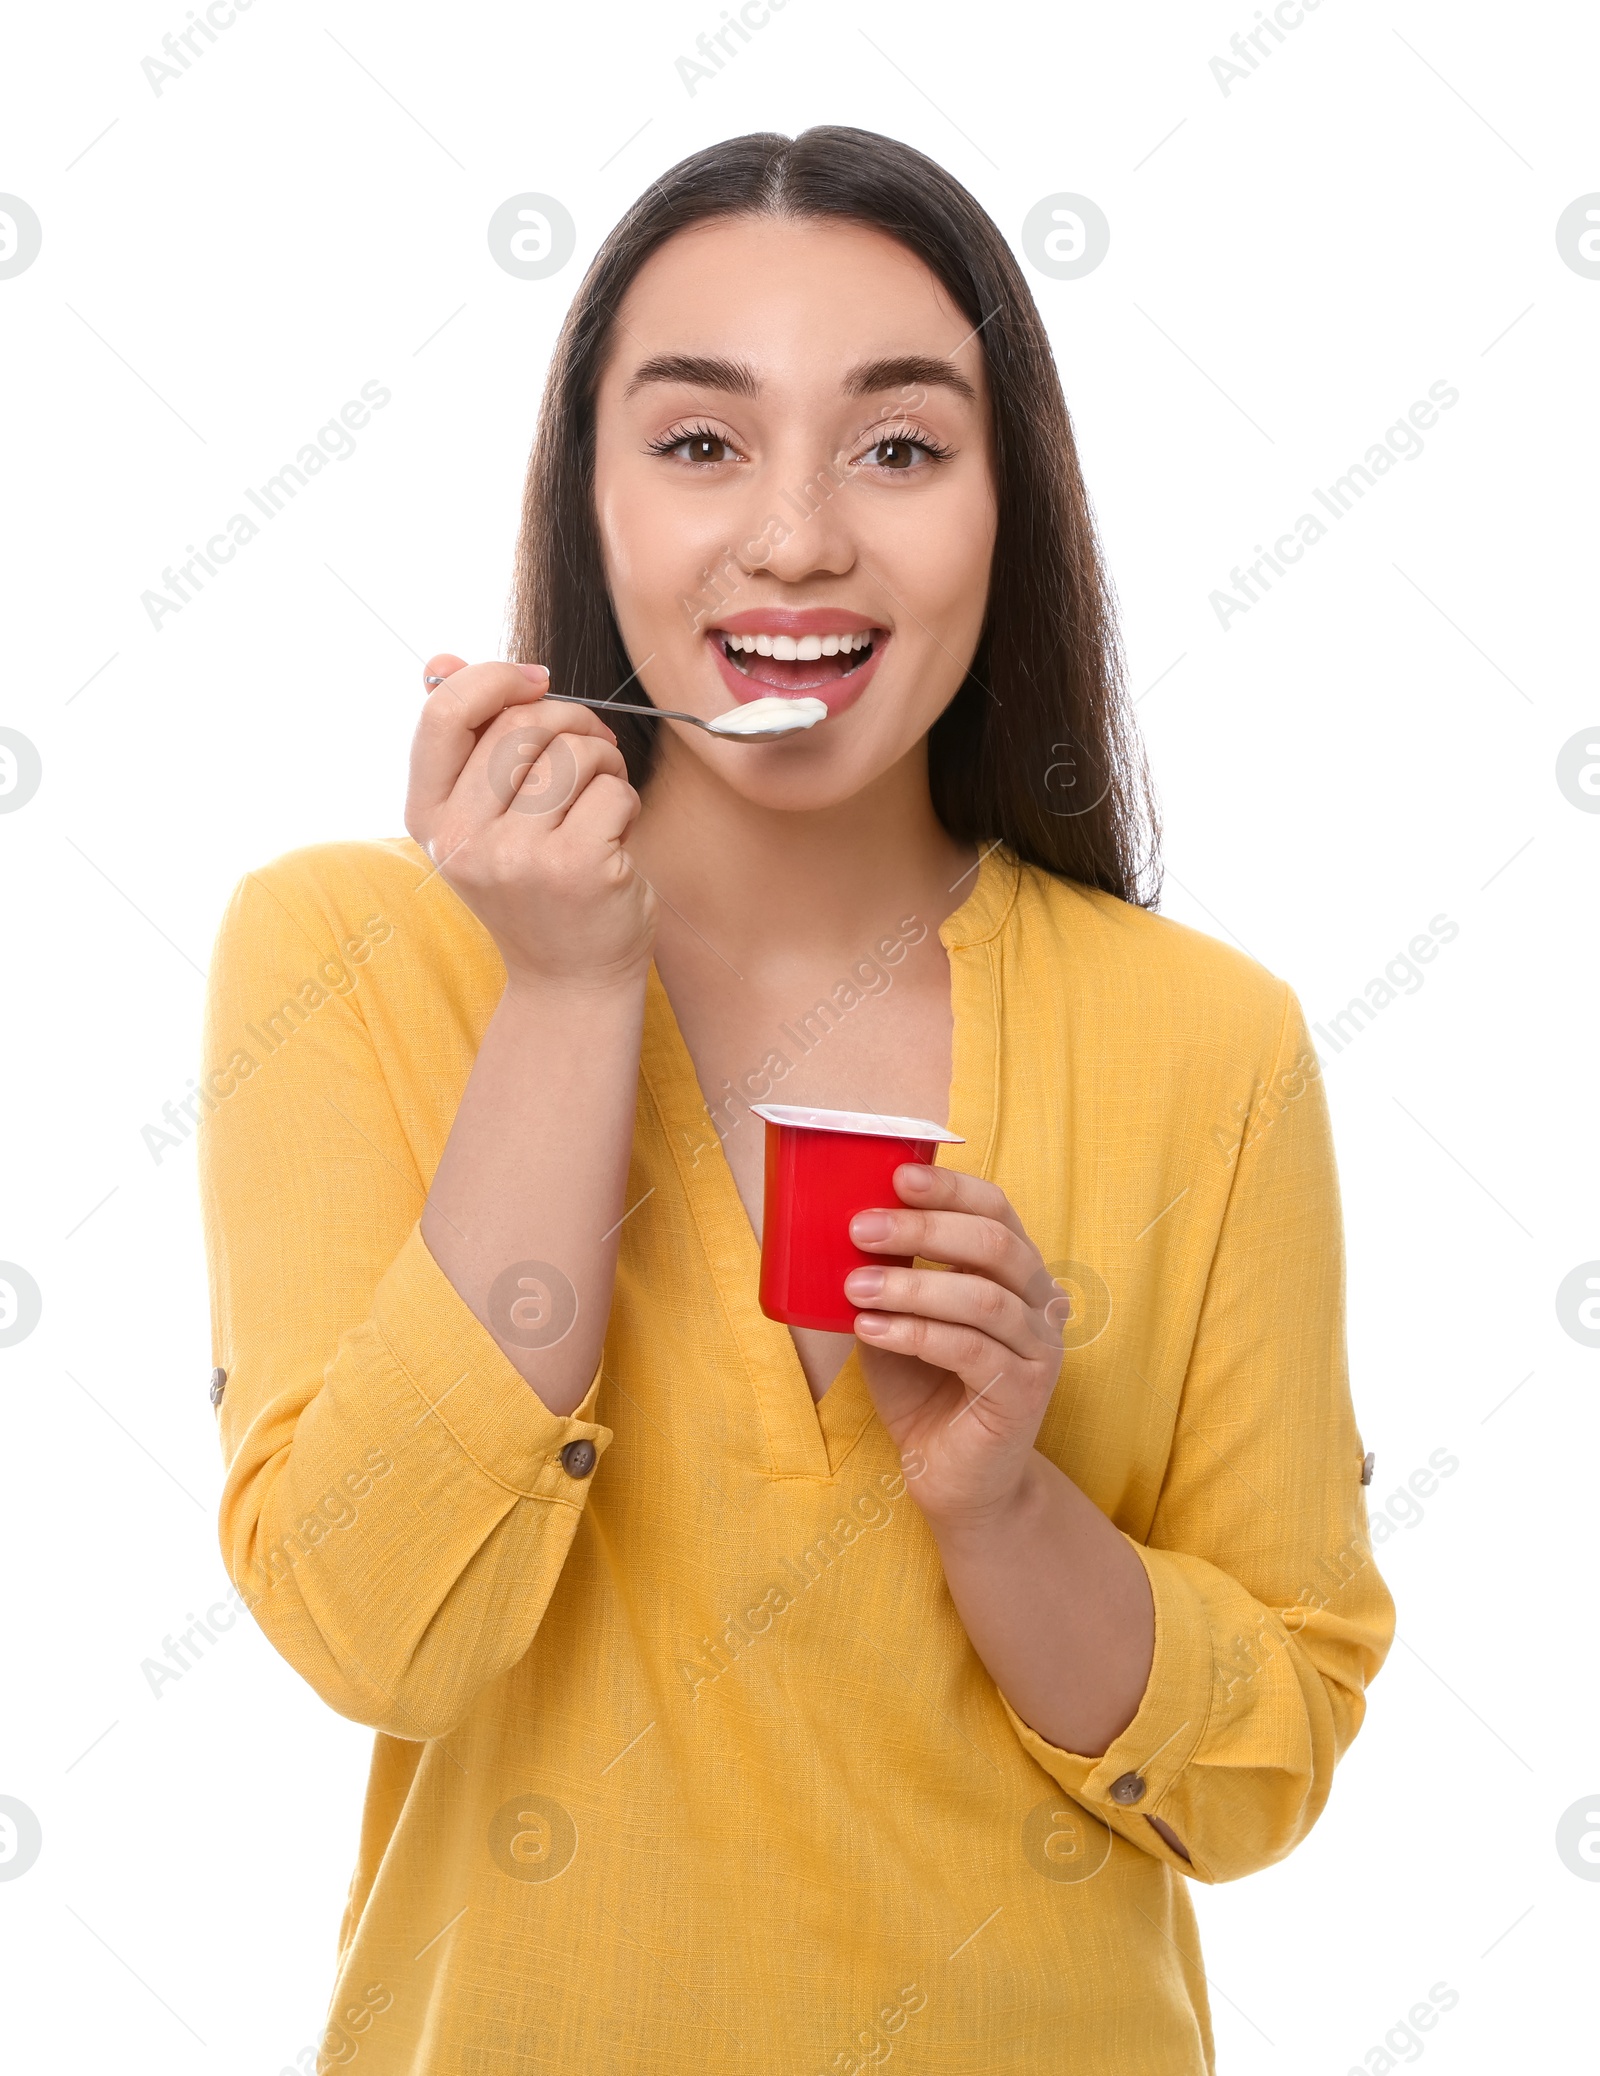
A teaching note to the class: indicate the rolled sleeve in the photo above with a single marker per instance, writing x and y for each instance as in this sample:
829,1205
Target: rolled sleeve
1270,1615
1151,1755
463,1378
398,1507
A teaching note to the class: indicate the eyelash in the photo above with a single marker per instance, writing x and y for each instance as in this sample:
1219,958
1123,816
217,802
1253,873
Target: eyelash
676,436
910,436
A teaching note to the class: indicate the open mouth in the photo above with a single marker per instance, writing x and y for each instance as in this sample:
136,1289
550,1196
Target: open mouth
796,664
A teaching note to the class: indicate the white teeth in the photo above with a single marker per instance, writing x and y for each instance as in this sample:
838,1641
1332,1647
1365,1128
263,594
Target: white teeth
806,648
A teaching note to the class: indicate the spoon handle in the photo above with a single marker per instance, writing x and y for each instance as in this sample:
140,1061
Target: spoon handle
616,706
667,713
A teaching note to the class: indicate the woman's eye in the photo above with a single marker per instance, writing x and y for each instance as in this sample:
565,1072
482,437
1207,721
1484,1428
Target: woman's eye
895,454
703,448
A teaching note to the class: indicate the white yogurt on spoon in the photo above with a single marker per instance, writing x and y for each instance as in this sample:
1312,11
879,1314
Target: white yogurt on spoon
767,716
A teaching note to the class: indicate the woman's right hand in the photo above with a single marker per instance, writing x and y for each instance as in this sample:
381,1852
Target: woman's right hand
524,809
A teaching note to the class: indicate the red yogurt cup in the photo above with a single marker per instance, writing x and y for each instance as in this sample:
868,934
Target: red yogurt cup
823,1166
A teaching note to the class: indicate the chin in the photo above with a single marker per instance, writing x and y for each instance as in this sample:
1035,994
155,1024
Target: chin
806,774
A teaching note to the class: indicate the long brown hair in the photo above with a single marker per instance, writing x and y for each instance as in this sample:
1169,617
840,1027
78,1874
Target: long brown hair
1038,749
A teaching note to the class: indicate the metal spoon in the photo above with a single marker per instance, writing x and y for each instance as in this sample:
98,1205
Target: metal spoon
663,713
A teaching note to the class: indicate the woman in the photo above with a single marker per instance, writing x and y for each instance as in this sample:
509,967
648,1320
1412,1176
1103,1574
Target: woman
751,1698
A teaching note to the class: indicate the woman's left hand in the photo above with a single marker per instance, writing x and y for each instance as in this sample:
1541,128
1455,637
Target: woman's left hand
961,1366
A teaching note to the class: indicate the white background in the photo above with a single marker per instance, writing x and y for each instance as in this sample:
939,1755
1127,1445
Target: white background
1292,263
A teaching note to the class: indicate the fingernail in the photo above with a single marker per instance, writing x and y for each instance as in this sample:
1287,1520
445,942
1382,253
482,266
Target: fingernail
915,1175
533,670
862,1284
868,1226
871,1323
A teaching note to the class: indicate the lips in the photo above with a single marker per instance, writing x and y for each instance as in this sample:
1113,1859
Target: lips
797,652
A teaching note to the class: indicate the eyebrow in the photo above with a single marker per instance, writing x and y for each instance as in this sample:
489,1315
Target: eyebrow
908,371
699,371
738,378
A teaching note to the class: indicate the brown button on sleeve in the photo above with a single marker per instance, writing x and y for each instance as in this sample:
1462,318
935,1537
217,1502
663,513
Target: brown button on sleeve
578,1459
219,1384
1127,1787
1369,1464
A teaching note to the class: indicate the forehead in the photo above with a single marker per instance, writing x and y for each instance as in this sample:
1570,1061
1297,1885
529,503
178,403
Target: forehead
801,302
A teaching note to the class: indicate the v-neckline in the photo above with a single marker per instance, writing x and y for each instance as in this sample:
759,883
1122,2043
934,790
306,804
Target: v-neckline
801,1436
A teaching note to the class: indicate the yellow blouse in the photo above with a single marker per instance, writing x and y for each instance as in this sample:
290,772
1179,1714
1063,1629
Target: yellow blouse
685,1763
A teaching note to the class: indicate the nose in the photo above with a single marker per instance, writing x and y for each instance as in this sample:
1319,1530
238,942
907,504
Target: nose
816,534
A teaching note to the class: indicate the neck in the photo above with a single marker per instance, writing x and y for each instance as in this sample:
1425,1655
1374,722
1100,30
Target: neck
765,886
